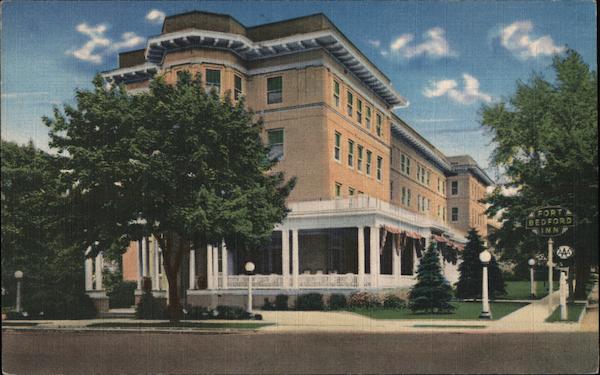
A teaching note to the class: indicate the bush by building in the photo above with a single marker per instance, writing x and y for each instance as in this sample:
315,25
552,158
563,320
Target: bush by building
432,292
364,300
310,301
392,301
122,294
150,307
337,302
281,302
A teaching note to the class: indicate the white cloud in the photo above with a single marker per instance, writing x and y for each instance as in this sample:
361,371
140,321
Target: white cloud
434,120
517,38
155,16
449,87
24,94
374,42
434,45
98,43
128,40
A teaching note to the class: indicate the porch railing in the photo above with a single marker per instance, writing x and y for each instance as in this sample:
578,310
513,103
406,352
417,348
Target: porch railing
319,281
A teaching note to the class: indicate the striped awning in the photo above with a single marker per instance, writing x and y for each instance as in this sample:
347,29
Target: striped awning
437,238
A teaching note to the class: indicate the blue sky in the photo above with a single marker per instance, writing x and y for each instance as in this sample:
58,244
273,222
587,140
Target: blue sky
446,58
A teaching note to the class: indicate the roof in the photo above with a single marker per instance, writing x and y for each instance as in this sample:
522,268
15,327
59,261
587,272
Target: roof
220,31
465,163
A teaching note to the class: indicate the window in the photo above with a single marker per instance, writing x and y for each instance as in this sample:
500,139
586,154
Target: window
427,177
439,186
350,103
444,214
351,153
378,126
213,80
369,155
274,90
351,191
336,148
368,118
419,202
454,213
237,87
360,158
336,93
391,190
275,144
408,195
405,164
443,187
418,172
454,187
379,167
439,211
359,111
360,192
338,190
403,195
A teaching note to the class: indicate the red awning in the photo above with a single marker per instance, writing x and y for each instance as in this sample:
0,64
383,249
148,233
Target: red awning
390,229
438,238
414,235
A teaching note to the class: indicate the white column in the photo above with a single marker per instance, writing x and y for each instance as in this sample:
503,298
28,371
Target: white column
99,266
374,259
563,295
144,258
156,271
224,264
485,313
550,278
89,277
139,257
531,276
209,266
361,257
295,259
192,269
395,259
285,257
215,259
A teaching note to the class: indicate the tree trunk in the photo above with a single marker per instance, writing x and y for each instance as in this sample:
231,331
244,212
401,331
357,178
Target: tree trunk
171,262
582,274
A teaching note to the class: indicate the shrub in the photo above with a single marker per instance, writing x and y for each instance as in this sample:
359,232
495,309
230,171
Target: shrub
197,313
231,313
281,302
364,300
337,302
62,306
392,301
268,305
149,307
310,301
122,294
15,315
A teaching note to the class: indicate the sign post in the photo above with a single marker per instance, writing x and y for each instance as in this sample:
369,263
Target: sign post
550,221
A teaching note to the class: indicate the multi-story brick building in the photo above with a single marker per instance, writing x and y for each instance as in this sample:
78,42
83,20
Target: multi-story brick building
370,196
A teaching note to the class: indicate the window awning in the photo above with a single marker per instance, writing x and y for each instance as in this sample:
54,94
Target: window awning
437,238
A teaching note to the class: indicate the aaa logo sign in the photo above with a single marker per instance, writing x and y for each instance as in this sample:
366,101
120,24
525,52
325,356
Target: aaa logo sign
550,221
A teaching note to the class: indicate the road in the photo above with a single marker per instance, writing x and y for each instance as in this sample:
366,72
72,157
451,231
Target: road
305,353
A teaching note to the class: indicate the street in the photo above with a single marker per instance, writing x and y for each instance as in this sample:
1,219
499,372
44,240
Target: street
263,352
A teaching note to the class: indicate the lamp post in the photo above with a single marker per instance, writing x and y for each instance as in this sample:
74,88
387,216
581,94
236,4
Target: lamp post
531,263
249,267
19,276
485,257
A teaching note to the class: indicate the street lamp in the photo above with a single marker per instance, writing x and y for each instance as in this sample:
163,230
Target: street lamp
19,276
249,267
485,257
531,263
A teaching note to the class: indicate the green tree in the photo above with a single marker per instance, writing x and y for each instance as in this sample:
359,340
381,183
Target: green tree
546,138
175,162
471,271
432,292
32,240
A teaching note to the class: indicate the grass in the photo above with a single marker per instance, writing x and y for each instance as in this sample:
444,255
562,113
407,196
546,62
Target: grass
180,325
463,311
573,312
522,289
19,324
447,326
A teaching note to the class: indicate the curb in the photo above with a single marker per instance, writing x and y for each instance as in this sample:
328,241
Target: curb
216,331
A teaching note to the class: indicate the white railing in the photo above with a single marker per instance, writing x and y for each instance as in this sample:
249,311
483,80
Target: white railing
318,281
348,280
363,202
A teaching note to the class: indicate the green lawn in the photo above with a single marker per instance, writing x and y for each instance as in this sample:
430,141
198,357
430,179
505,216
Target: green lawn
521,289
573,312
19,324
464,311
180,325
447,326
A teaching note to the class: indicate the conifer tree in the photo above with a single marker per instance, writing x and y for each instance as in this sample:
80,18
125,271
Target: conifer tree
432,292
469,282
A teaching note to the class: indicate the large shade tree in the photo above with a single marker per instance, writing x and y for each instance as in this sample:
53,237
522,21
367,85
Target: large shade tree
546,138
177,162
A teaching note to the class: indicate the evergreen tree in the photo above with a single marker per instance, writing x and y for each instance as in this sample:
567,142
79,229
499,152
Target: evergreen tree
432,292
471,271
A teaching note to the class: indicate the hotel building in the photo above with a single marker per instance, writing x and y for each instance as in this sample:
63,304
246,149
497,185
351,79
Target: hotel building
368,200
